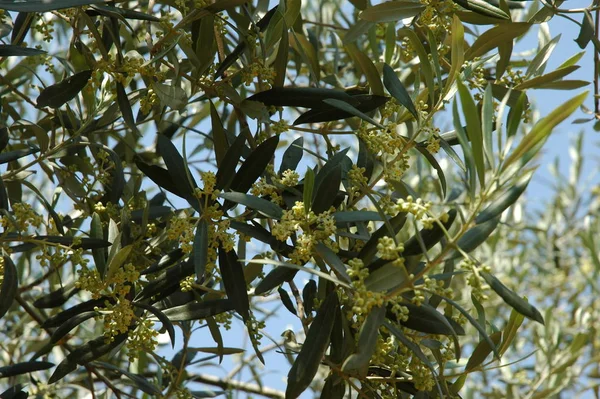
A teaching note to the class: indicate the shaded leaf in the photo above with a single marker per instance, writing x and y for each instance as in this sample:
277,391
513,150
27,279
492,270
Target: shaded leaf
505,200
298,267
309,293
200,250
226,171
344,106
160,176
397,90
57,297
139,381
392,11
482,7
254,165
62,317
482,350
292,156
287,301
173,97
326,190
511,298
358,362
332,259
9,50
426,319
263,206
70,324
385,278
234,282
179,172
43,5
161,317
429,237
9,287
23,368
199,310
10,156
305,97
307,362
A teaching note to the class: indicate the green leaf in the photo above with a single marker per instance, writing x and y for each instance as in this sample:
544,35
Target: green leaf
494,37
254,165
85,243
287,301
232,157
161,317
70,324
483,8
386,278
180,174
424,65
586,32
10,156
414,348
428,237
426,319
391,11
292,155
362,61
118,260
309,186
23,368
315,345
263,206
91,351
305,97
512,299
160,176
333,260
139,381
56,298
309,293
473,130
506,199
344,217
487,122
199,310
274,278
125,13
200,251
326,113
397,90
302,268
482,350
43,5
550,77
9,50
369,250
62,317
173,97
434,163
477,235
358,362
234,282
344,106
125,107
538,64
326,189
219,136
544,127
10,286
467,150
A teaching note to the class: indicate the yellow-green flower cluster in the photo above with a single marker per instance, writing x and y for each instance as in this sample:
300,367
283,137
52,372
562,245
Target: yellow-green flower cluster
23,217
289,178
388,250
362,299
263,189
182,229
259,71
118,284
474,279
142,339
280,126
315,229
45,27
117,318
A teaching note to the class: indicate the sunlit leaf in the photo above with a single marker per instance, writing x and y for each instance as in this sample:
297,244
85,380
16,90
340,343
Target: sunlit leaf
391,11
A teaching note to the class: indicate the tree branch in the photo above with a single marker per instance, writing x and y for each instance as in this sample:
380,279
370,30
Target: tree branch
238,385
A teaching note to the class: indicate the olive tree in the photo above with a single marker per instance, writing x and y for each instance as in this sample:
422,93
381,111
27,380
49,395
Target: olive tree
178,165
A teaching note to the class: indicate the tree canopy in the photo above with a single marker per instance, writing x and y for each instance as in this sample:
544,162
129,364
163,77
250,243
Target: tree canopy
172,166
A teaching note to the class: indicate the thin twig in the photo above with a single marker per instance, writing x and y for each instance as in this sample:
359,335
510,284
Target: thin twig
238,385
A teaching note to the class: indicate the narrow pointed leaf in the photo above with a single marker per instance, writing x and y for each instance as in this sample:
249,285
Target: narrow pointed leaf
358,362
511,298
234,282
397,90
263,206
509,197
429,237
161,317
292,155
23,368
198,310
307,363
484,8
481,351
9,287
392,11
255,165
344,106
9,50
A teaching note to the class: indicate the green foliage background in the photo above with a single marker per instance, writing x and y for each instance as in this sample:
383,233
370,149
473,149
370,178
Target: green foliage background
154,180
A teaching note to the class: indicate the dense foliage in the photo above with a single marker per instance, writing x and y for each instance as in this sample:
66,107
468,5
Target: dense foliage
155,183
